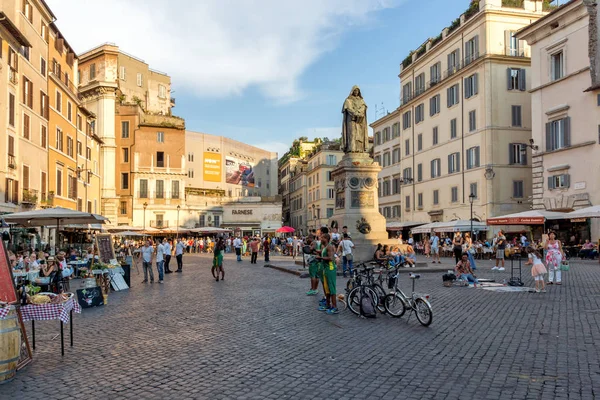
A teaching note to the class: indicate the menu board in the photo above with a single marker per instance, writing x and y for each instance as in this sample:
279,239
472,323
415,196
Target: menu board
8,293
106,251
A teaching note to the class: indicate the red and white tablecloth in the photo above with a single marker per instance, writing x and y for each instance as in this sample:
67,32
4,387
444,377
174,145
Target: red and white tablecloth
44,312
4,312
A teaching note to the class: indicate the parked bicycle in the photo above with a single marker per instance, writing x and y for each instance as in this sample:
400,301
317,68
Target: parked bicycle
397,303
363,283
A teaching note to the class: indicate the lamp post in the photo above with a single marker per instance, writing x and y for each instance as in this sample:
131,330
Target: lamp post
177,234
145,205
471,199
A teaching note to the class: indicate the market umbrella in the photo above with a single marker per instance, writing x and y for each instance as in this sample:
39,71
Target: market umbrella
533,217
588,212
208,229
54,216
285,229
125,228
129,234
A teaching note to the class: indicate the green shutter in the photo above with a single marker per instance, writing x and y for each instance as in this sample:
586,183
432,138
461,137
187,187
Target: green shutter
548,136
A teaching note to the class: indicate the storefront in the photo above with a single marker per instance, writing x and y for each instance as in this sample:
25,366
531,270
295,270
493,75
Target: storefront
252,217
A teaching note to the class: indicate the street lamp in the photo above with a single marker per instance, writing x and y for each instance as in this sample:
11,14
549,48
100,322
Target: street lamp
145,205
471,199
177,234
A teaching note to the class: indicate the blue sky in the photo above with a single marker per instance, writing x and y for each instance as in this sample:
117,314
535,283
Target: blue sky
260,71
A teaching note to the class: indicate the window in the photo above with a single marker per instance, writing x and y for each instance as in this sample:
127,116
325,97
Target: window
143,188
473,157
329,212
123,208
407,203
191,157
559,181
377,138
407,174
396,127
420,200
160,189
59,139
472,121
160,159
330,193
453,95
406,93
396,185
436,73
471,85
556,66
436,168
473,190
44,187
395,211
26,123
386,159
11,109
406,120
454,194
419,113
89,207
436,197
12,191
140,79
122,74
434,105
518,190
513,45
558,134
28,10
88,153
516,116
27,92
453,163
92,72
453,62
435,136
125,129
217,219
43,67
160,137
79,148
44,105
125,180
69,146
453,131
407,147
516,79
174,189
162,91
44,32
25,177
515,155
125,152
59,182
386,187
472,50
396,155
69,111
419,142
11,146
329,176
58,104
386,134
420,84
44,137
331,159
419,172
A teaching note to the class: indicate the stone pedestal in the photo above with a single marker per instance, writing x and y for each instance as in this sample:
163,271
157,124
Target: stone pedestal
357,203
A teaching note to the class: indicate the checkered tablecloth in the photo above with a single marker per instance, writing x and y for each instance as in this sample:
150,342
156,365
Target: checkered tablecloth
39,312
4,312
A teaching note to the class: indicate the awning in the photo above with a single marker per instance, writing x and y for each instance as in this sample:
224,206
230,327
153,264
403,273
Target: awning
398,226
53,216
451,226
533,217
588,212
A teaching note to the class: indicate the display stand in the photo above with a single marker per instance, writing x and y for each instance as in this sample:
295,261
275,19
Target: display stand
515,266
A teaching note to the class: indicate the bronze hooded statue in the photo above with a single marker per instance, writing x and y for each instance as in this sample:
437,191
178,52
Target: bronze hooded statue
355,132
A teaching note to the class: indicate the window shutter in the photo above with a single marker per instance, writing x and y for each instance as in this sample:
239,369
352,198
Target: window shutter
449,97
522,79
457,94
523,155
30,94
15,198
520,48
449,163
550,182
476,46
507,36
567,131
515,190
548,136
450,62
567,180
467,87
475,89
476,156
508,79
431,106
457,166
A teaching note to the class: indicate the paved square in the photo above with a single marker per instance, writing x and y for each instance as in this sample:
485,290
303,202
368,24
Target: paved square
257,336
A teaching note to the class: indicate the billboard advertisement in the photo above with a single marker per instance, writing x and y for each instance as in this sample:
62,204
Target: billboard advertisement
212,167
239,172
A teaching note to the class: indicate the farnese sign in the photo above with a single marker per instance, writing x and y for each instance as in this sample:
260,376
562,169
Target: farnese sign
241,212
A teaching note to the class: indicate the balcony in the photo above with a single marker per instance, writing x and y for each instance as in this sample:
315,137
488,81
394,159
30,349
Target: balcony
48,201
30,196
12,163
159,224
13,76
63,78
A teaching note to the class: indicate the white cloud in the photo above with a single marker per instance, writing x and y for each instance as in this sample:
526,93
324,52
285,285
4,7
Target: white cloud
218,48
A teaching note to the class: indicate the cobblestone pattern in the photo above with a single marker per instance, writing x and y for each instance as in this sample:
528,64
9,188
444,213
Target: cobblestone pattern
257,336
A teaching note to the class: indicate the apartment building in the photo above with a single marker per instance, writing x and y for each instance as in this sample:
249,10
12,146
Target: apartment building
24,36
298,187
320,187
565,96
465,112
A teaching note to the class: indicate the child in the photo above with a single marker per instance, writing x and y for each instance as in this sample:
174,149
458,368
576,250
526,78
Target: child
537,270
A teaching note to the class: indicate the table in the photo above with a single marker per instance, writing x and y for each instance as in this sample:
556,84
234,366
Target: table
31,275
76,265
47,312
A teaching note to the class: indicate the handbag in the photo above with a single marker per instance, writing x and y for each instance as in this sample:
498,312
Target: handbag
349,257
564,265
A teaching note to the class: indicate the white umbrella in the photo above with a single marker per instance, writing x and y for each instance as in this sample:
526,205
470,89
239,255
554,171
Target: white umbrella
54,216
127,228
208,229
532,217
129,234
588,212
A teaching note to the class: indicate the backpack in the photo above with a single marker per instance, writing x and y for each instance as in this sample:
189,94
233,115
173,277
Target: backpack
367,305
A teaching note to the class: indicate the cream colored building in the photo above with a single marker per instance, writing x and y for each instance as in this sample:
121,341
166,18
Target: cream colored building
565,96
298,196
465,111
24,34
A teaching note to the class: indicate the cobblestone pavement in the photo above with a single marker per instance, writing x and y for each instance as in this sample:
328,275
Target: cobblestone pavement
257,336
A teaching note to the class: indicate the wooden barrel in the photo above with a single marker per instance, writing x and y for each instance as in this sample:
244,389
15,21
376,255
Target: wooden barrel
10,345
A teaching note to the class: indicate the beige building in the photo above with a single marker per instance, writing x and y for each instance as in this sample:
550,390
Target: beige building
24,38
298,187
465,111
565,96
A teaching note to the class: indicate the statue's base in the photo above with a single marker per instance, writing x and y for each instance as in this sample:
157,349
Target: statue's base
357,205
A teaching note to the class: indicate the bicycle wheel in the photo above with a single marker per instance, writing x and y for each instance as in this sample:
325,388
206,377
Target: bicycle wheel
350,285
395,305
342,305
423,311
355,296
380,296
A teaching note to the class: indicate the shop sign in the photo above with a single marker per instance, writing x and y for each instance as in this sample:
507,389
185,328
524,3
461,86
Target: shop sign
241,212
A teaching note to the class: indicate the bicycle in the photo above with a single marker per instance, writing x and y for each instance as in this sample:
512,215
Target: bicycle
397,303
362,283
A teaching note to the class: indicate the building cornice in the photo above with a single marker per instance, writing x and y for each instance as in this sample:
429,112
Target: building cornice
564,78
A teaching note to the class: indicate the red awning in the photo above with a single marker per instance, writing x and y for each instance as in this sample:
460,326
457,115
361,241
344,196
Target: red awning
517,221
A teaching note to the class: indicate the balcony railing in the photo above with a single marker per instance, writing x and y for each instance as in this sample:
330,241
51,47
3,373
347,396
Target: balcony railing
64,79
12,163
48,201
158,224
30,196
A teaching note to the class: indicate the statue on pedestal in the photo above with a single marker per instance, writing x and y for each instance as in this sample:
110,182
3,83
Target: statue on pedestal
355,132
